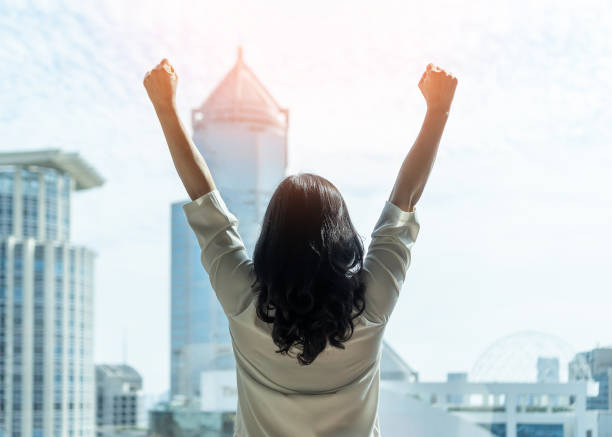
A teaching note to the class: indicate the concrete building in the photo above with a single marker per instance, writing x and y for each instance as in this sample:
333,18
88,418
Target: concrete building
242,132
599,364
46,298
180,420
456,377
548,369
512,409
118,399
604,423
595,367
401,414
527,403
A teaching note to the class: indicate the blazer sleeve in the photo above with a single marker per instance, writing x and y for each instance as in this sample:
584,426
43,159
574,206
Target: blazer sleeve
387,260
224,256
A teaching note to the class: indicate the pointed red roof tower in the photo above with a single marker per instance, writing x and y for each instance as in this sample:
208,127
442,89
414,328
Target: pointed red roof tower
241,98
242,132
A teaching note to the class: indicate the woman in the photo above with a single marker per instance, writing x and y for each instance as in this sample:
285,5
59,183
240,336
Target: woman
308,313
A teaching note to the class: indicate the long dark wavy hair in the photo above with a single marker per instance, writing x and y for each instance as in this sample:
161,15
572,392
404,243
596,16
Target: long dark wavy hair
307,264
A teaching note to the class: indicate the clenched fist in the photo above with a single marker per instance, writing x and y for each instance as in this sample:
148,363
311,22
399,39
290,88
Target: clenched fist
160,84
438,88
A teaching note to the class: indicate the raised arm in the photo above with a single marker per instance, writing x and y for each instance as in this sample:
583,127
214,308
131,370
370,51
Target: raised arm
438,88
160,84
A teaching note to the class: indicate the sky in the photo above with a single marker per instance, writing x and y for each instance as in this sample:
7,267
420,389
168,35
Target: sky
516,217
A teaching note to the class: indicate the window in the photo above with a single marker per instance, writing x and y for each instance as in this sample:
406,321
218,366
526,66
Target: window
29,189
51,202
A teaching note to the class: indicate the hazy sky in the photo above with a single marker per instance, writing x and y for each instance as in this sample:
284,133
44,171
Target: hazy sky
516,219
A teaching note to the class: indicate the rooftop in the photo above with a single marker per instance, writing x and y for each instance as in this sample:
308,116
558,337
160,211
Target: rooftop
393,367
121,371
241,97
84,175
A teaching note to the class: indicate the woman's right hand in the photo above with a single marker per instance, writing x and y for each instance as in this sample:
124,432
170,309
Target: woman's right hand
160,84
438,88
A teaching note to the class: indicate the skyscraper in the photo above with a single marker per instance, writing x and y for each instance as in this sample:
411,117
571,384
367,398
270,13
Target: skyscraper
242,132
46,292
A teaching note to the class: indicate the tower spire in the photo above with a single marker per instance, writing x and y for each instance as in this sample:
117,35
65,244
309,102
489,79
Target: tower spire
241,94
239,54
124,345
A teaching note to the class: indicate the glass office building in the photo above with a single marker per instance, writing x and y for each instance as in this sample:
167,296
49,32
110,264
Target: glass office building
46,292
200,338
242,132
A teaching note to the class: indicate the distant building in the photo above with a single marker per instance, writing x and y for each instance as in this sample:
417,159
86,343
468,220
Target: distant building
242,132
548,370
604,422
394,368
129,432
118,398
599,362
456,377
150,402
219,390
179,420
542,408
46,292
402,414
512,409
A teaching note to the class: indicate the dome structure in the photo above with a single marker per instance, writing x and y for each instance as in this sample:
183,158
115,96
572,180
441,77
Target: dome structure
514,358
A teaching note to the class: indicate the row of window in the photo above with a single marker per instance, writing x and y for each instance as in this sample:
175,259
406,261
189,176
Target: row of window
30,211
75,343
30,189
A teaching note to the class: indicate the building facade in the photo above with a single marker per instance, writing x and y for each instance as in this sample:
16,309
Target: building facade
599,363
242,132
46,298
200,337
174,420
548,369
401,414
512,409
118,398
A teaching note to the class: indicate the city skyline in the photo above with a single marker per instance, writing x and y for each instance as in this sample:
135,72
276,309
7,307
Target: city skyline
516,215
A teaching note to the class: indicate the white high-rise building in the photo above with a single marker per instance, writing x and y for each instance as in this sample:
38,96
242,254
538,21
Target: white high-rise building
46,298
242,133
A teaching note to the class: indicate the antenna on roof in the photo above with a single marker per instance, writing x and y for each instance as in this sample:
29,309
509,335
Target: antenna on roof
124,346
239,53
